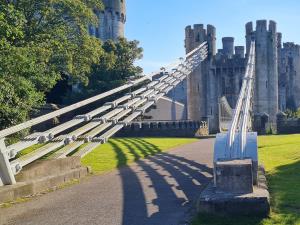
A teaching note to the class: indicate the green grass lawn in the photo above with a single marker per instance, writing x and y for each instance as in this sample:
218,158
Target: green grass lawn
281,157
29,150
122,151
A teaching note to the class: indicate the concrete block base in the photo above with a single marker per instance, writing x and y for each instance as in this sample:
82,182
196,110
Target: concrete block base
256,203
234,176
43,176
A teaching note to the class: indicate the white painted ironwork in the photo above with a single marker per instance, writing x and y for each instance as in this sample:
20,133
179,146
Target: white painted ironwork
118,114
225,114
239,142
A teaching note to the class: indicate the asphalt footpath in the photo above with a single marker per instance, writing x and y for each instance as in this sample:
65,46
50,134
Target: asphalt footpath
159,190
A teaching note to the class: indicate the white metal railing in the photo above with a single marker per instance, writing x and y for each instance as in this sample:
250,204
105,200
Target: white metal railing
225,114
241,121
118,114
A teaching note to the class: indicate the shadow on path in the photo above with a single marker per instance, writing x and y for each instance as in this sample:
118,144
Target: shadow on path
175,181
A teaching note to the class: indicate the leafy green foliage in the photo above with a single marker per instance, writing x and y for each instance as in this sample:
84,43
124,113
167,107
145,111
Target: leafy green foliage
293,113
114,68
40,41
43,41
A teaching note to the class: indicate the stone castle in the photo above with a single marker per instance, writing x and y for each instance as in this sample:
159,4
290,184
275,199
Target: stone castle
111,20
277,84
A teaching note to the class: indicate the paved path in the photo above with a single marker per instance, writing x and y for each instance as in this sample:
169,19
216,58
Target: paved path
159,190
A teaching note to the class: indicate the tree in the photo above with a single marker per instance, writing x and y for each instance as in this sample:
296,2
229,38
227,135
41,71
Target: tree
293,113
40,40
114,68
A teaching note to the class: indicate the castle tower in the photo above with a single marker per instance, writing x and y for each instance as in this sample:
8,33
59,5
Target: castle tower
249,35
266,82
202,93
195,88
239,51
211,41
228,46
111,20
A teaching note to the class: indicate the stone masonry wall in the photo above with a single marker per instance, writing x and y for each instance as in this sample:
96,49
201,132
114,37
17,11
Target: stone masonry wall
165,129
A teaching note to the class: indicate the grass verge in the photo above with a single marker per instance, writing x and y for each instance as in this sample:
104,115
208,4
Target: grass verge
281,156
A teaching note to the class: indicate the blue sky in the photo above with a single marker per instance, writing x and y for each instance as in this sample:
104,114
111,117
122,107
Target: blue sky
159,24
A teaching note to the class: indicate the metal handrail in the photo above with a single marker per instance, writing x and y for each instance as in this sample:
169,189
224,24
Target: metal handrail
138,101
241,113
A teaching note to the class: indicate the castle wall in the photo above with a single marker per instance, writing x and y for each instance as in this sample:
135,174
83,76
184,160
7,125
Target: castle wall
277,81
281,76
290,74
164,129
231,72
222,74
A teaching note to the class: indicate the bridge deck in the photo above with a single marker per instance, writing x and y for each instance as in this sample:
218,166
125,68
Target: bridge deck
155,191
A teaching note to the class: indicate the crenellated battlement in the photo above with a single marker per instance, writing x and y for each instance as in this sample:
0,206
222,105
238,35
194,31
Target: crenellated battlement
291,47
228,46
222,74
197,34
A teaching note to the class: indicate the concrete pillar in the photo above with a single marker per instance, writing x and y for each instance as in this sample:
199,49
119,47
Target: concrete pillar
234,176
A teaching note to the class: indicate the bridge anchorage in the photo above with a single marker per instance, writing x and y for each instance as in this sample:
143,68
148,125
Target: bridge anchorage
95,127
236,187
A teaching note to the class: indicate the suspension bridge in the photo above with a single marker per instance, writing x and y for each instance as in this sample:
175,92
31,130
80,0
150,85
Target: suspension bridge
122,111
235,142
